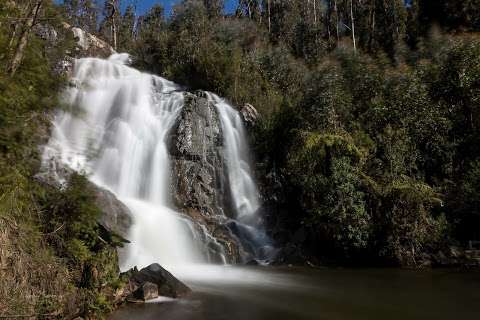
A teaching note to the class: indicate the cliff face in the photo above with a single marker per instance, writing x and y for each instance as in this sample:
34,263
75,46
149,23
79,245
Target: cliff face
198,167
197,161
82,44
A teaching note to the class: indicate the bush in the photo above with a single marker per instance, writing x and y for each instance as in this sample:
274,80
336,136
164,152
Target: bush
325,168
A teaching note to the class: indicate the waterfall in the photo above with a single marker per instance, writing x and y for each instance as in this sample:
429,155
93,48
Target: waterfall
244,193
114,127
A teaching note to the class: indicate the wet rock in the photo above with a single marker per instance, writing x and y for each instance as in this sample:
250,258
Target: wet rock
196,147
252,262
249,115
54,173
167,284
116,217
147,291
198,182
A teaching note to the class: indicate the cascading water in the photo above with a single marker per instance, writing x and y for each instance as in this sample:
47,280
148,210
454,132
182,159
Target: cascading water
244,193
115,128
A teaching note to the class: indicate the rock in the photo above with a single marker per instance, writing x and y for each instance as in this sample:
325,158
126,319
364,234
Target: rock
249,114
167,284
115,218
456,252
147,291
64,66
85,45
53,173
196,149
46,32
252,262
89,45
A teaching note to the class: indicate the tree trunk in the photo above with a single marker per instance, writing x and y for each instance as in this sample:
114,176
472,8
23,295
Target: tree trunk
337,20
112,6
269,17
353,27
328,20
372,25
15,30
23,41
114,32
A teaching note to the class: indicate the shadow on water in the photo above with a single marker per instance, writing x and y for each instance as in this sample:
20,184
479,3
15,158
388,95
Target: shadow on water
237,293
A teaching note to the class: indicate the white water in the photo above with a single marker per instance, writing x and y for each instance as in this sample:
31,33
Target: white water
114,128
243,190
242,186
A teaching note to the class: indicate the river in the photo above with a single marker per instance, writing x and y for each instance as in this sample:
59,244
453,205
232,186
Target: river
251,293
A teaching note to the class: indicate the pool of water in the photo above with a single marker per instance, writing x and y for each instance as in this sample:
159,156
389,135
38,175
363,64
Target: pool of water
251,293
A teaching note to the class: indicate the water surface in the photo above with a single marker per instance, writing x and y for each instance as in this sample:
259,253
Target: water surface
253,293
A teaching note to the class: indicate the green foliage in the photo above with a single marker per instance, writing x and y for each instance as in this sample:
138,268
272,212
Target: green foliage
407,225
48,237
380,159
325,168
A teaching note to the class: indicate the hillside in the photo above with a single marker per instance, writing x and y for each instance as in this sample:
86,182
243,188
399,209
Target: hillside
365,147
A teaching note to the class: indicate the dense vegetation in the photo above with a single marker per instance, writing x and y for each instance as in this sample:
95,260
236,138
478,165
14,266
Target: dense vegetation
370,112
55,260
368,142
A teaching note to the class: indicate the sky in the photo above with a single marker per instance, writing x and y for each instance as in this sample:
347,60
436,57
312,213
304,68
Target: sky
144,5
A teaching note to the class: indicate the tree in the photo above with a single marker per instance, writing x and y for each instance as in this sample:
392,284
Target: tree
82,14
126,29
23,39
111,15
325,168
249,8
214,7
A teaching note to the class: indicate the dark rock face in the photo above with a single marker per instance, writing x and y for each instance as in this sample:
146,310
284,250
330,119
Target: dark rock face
196,152
147,291
116,217
167,284
198,182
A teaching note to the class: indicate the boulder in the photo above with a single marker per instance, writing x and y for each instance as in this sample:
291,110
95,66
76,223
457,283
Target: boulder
147,291
249,115
115,218
89,45
252,262
46,32
167,284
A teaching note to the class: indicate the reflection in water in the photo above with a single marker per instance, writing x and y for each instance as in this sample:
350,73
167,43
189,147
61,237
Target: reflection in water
237,293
